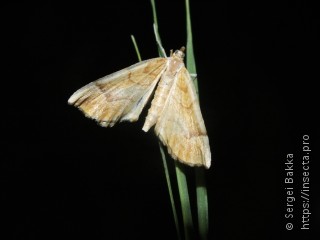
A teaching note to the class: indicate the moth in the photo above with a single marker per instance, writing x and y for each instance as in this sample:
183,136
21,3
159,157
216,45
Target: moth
174,111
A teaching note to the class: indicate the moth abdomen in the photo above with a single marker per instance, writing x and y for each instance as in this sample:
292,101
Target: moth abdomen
158,101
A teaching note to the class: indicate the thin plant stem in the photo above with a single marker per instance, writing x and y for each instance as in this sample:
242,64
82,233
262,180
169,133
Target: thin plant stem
173,206
180,173
185,201
136,47
202,203
161,50
190,60
164,160
201,190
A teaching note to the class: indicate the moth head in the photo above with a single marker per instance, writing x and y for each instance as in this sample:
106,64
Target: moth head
179,53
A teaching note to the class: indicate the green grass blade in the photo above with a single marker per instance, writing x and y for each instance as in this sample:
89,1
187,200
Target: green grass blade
201,190
154,13
161,50
190,60
166,170
202,203
164,160
181,177
136,47
185,201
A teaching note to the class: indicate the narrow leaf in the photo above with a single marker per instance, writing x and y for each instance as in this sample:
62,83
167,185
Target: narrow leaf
201,190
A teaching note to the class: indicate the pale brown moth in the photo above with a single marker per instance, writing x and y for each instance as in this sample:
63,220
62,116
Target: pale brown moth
174,111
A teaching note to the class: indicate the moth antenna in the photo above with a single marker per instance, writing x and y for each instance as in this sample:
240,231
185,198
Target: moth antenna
171,53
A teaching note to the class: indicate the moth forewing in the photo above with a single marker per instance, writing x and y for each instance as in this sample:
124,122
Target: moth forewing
181,127
122,95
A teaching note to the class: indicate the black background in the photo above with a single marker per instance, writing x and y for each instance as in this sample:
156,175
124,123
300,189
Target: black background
64,177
